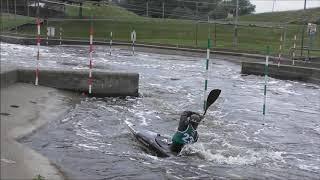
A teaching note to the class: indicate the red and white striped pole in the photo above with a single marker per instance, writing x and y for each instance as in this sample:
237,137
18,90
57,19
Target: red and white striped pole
38,53
47,33
90,59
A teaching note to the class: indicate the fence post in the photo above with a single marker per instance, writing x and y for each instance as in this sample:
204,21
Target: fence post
147,8
196,34
162,10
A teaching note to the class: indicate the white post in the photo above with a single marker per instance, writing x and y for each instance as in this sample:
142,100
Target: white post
294,49
38,51
147,9
38,44
162,10
280,51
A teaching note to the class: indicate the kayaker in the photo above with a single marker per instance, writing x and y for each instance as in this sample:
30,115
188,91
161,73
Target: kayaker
187,130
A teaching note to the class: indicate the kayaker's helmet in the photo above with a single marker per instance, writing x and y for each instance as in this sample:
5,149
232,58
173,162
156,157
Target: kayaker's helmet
195,120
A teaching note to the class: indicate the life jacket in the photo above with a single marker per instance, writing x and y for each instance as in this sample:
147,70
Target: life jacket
188,136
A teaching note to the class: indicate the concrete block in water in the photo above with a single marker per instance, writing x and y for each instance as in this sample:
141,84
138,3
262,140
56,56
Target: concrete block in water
104,83
289,72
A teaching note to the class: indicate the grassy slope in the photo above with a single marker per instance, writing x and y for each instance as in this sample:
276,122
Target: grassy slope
176,32
183,32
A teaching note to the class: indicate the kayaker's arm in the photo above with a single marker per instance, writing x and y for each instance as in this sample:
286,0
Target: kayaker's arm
184,121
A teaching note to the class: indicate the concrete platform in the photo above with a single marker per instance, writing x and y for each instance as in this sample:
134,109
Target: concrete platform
315,63
24,109
104,83
287,72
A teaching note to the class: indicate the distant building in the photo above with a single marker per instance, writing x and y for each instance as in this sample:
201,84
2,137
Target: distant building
230,16
28,7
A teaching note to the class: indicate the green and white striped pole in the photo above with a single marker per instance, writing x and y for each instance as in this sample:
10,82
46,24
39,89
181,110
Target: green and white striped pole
265,82
207,68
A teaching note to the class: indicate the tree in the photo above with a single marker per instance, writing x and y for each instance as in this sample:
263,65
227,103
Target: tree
245,7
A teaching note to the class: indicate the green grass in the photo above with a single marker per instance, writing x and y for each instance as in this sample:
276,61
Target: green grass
9,21
183,33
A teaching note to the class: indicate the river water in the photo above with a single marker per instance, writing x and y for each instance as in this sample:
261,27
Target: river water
92,141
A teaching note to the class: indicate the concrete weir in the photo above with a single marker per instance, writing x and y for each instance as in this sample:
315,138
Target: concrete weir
104,83
289,72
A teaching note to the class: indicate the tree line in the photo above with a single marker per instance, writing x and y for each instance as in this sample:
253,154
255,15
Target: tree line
186,9
190,9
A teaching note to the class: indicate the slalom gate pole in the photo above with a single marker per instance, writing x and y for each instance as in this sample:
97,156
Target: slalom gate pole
133,40
265,82
90,58
38,51
207,68
60,35
110,42
47,32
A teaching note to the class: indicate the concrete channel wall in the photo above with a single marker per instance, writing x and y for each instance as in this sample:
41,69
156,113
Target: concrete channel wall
55,41
289,72
9,75
104,83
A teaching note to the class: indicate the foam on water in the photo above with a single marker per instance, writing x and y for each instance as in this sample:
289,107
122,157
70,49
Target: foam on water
248,157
